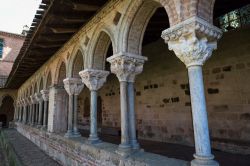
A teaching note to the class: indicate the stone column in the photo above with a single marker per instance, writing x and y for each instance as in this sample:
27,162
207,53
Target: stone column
32,99
39,99
73,86
193,42
126,67
20,111
25,103
94,80
30,111
45,95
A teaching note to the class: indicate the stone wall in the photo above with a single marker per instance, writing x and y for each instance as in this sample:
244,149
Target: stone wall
77,152
163,105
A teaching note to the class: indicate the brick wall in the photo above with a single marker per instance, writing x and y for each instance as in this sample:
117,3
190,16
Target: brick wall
163,105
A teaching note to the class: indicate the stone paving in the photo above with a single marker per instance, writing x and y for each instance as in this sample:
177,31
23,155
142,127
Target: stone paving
28,153
181,152
3,159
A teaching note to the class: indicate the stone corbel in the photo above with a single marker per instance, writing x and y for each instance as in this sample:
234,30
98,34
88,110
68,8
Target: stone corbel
73,86
45,95
126,66
193,40
94,79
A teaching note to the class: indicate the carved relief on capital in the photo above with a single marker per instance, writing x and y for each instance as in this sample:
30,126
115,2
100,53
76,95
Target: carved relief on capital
193,40
33,99
126,66
73,86
38,97
94,79
45,95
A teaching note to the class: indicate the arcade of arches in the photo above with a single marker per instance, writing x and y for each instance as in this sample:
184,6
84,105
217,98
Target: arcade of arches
147,70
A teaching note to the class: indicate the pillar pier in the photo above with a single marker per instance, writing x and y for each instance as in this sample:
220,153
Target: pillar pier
45,96
126,66
73,86
193,42
94,80
33,101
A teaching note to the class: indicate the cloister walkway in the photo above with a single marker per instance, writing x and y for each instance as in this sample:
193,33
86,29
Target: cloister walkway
180,151
26,151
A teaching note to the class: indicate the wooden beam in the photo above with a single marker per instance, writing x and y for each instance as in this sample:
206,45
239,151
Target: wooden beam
84,7
63,30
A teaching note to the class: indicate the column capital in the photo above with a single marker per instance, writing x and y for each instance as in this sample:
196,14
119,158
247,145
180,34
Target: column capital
33,99
126,66
45,95
192,40
94,79
73,86
38,97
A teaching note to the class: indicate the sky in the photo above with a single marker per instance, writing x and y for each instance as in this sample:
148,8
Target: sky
14,14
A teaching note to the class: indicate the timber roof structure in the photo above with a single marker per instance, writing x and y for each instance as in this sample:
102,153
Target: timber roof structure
55,22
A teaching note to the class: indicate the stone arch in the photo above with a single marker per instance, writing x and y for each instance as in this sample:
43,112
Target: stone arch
60,73
134,26
40,86
6,95
76,62
100,50
48,80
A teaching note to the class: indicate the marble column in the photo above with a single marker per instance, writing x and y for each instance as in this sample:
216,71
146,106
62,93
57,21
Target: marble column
25,103
193,42
45,95
20,111
73,86
94,80
126,66
39,99
33,101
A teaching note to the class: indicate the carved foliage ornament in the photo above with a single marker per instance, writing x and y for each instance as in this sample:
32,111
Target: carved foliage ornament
73,86
193,40
45,95
38,97
94,79
126,66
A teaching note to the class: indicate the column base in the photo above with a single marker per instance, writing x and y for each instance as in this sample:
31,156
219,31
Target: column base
204,161
76,134
94,140
69,134
124,150
135,145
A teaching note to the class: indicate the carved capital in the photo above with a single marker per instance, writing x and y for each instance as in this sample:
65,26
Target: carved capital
126,66
193,40
38,97
73,86
33,99
94,79
45,95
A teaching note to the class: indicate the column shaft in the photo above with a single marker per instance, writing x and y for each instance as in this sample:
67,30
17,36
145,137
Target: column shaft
132,119
124,116
40,117
45,112
93,117
70,116
75,112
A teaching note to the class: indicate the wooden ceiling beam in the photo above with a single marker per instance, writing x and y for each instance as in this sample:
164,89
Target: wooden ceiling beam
63,30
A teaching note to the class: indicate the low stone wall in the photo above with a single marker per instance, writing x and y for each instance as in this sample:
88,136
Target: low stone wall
76,152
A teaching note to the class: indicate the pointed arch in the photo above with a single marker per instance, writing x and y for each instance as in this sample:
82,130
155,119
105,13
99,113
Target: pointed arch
48,80
100,48
61,73
76,62
133,27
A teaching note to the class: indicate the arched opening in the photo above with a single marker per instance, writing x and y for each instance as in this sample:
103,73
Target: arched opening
48,81
77,65
61,102
7,111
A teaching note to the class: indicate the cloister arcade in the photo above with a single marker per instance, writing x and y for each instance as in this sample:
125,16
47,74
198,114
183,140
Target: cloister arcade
122,68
